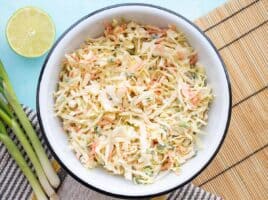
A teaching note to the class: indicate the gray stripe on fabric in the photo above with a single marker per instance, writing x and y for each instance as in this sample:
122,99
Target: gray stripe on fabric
4,159
173,194
170,195
21,182
12,180
204,194
17,185
206,197
10,167
8,178
35,125
12,184
4,173
199,193
26,192
27,111
23,189
31,116
194,190
181,194
188,192
195,193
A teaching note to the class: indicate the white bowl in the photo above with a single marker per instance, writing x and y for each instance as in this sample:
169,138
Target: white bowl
92,25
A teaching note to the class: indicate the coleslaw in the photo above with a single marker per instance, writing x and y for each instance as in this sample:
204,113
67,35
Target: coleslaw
134,100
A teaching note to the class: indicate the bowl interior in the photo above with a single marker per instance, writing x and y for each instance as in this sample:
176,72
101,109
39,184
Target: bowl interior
92,26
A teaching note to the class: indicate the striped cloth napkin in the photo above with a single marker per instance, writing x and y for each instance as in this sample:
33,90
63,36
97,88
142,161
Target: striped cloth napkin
14,186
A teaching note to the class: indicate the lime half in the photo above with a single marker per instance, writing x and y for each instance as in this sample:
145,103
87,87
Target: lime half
30,32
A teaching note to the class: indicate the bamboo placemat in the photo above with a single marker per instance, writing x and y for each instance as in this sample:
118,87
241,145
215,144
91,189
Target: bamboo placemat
239,31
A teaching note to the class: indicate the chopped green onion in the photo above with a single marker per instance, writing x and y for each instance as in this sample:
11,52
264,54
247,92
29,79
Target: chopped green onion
148,170
183,125
160,148
186,142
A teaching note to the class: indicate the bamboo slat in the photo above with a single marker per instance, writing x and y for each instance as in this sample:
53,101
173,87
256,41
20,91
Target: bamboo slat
248,180
241,23
246,61
223,12
248,132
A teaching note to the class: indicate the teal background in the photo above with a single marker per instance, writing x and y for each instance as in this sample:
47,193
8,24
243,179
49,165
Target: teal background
24,72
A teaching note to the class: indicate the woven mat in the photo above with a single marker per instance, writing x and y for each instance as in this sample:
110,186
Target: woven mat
239,31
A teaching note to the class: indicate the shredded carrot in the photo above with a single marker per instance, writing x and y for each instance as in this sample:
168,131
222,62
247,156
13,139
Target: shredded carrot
180,55
166,165
193,59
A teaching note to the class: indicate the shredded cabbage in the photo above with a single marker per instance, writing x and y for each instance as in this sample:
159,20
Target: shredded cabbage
134,100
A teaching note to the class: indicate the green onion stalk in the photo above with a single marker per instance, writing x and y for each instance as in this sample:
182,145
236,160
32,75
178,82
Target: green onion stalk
8,92
17,156
13,124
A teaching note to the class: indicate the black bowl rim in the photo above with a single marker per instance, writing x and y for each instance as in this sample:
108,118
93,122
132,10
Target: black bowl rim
103,191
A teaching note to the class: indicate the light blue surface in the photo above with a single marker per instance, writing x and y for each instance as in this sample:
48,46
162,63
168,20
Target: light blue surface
24,72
